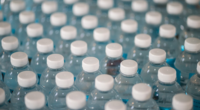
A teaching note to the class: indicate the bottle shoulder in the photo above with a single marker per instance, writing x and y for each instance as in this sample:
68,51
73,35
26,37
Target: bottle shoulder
57,92
149,104
128,80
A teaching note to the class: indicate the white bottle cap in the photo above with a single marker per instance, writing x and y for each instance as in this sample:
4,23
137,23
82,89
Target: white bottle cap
80,9
167,74
2,96
79,48
142,40
64,79
129,67
105,4
116,14
19,59
104,82
89,22
26,79
193,21
90,64
26,17
139,5
76,100
167,31
198,67
58,19
160,1
17,5
70,2
114,50
153,18
48,7
55,61
192,44
34,30
115,105
141,92
174,8
157,56
35,100
1,15
192,2
101,34
5,28
9,43
38,1
182,102
129,26
68,32
45,45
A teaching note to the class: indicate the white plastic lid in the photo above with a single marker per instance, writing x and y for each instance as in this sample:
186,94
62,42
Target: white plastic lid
114,50
129,67
192,44
104,82
167,74
193,21
192,2
17,5
141,92
70,2
198,67
174,8
68,32
90,64
115,105
19,59
182,102
64,79
34,30
157,56
2,96
105,4
9,43
79,48
5,28
101,34
35,100
55,61
129,26
116,14
160,1
1,15
26,79
80,9
142,40
167,31
38,1
58,19
89,22
153,18
26,17
139,5
49,7
45,45
76,100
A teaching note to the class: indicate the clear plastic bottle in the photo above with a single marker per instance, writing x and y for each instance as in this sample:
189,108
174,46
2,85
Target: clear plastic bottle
115,105
141,98
165,88
5,29
36,7
67,8
126,5
5,7
191,8
1,16
3,105
159,5
7,92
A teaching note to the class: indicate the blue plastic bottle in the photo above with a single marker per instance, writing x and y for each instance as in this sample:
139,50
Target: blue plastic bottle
7,92
115,105
36,7
165,88
141,98
182,101
159,5
3,104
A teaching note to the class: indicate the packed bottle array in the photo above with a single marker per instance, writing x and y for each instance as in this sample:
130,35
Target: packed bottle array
100,55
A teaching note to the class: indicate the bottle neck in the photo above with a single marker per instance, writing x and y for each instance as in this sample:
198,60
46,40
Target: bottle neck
167,84
25,66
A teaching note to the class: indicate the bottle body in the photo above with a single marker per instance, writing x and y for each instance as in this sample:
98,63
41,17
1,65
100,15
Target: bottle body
86,35
53,33
152,30
114,27
7,91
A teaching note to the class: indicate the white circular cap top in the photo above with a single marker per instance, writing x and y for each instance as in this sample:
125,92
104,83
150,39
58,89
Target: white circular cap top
198,67
58,19
55,61
70,2
64,79
38,1
68,32
76,100
142,40
101,34
48,7
160,1
139,5
116,14
104,82
115,105
192,2
114,50
5,28
153,18
141,92
78,48
167,31
45,45
34,30
1,15
128,67
174,8
129,26
26,17
35,100
192,44
167,74
193,21
26,79
89,22
9,43
182,102
105,4
17,5
157,56
19,59
2,96
80,9
90,64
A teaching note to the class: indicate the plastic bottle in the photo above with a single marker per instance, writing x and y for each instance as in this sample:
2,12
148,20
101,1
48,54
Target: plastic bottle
191,8
159,5
5,7
5,29
3,105
126,5
93,6
115,105
1,16
36,7
7,92
67,8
